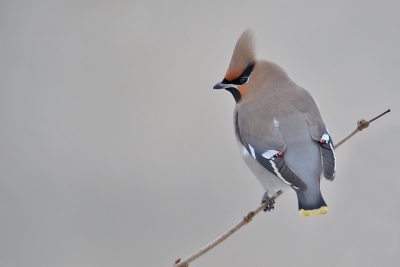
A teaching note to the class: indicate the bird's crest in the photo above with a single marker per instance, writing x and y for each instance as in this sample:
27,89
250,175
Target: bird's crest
243,55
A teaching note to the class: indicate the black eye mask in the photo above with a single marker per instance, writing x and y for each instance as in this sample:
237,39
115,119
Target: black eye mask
243,78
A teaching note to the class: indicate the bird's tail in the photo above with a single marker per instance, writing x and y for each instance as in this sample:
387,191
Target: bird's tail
311,203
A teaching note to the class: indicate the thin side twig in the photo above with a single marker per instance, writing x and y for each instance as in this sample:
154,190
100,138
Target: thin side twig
361,124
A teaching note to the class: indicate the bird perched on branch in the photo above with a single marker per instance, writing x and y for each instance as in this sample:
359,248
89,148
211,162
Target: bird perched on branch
279,129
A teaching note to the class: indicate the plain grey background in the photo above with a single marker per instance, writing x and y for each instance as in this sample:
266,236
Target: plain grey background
116,151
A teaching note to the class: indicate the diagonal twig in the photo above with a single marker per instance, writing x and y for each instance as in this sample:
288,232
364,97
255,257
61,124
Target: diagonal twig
361,124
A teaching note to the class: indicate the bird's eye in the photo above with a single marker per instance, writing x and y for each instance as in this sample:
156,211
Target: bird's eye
244,79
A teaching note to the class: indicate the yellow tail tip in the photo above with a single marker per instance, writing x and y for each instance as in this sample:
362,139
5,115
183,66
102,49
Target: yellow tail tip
321,210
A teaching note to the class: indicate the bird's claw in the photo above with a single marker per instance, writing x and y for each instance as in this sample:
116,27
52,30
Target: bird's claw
269,201
278,154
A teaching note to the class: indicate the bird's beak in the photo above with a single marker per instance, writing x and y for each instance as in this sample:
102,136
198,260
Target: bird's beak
222,85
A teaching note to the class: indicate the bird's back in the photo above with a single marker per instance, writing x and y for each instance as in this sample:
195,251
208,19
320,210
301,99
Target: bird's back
302,152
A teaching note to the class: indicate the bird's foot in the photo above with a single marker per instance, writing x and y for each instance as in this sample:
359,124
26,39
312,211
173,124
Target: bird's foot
278,154
322,141
269,201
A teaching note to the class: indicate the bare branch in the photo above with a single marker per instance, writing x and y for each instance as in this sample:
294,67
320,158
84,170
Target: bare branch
246,219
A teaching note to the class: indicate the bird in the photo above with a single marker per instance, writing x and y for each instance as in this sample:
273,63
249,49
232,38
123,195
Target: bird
279,129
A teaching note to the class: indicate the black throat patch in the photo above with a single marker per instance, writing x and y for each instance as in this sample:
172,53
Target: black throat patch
235,92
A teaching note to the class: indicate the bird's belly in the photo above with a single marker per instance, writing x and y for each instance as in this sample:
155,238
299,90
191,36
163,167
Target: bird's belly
270,182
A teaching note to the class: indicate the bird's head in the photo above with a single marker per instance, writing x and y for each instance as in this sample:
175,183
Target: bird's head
241,67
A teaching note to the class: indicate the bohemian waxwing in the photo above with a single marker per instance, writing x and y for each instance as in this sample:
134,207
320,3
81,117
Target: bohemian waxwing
279,129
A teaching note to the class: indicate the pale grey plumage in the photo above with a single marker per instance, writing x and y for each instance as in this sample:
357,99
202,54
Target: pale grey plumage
274,115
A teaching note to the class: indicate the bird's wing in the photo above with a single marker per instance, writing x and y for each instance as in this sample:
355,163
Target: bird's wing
263,141
319,132
328,154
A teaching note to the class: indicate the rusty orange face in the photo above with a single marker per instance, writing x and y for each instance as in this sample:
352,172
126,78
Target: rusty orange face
232,74
242,90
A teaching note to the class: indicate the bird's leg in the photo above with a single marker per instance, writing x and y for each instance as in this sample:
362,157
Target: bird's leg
269,201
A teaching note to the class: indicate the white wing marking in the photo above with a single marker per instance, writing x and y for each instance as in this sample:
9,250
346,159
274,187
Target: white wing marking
252,151
269,154
325,137
278,173
276,122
